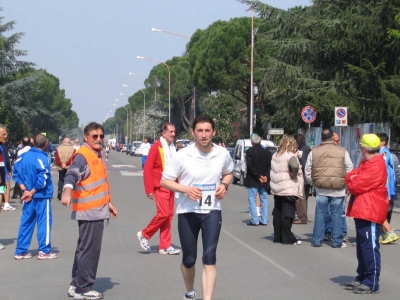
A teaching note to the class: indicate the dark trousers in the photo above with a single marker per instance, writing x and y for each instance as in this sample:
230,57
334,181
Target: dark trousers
61,176
368,255
283,219
87,255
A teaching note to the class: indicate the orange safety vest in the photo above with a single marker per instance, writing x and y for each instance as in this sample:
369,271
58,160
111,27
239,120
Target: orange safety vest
94,191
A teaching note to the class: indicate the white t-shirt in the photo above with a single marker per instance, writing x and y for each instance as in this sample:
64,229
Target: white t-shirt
145,148
192,167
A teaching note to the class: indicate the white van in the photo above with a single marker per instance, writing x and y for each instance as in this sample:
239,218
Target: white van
239,157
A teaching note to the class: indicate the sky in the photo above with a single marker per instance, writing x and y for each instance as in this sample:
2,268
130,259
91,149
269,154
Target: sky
91,45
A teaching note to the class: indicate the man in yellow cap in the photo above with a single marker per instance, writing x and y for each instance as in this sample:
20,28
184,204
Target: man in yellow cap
368,206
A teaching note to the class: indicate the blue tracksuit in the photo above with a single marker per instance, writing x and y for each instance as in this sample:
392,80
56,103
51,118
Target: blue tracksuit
33,170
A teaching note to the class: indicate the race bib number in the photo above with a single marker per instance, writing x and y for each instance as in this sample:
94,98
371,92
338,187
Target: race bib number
207,201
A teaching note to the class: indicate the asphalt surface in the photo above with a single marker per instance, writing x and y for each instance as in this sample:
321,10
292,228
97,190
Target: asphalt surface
249,265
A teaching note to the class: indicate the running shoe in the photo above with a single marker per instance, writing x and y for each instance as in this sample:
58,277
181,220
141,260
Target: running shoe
8,207
44,256
71,291
170,251
144,243
390,237
297,243
189,296
88,295
351,284
2,246
364,289
25,255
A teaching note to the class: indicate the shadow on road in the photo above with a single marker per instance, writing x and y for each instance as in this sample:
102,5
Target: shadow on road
342,279
103,284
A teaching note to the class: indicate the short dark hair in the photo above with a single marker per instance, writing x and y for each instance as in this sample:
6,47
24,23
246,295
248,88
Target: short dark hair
92,126
26,141
326,135
164,126
383,137
300,139
203,119
40,141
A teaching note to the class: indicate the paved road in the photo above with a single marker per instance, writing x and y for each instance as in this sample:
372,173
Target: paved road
250,266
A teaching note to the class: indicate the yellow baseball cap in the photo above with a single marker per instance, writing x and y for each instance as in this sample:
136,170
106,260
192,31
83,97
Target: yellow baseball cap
370,140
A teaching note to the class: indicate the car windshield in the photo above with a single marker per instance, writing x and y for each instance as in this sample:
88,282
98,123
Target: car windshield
231,151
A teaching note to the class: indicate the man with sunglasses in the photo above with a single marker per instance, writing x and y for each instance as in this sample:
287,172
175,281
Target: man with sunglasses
86,188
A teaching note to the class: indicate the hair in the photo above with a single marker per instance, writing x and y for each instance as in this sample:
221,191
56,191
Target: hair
287,144
2,126
372,150
203,119
383,137
164,126
26,141
326,135
40,141
300,139
92,126
256,139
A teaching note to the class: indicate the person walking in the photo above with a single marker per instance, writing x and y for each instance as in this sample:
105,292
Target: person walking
302,203
326,167
5,166
258,162
63,159
287,187
201,173
32,174
144,150
86,187
160,155
368,206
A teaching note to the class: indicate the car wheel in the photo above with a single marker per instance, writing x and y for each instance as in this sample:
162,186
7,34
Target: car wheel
241,182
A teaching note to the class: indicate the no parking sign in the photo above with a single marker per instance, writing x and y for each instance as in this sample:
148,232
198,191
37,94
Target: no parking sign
340,116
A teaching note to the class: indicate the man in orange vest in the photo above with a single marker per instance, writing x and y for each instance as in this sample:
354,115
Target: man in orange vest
86,188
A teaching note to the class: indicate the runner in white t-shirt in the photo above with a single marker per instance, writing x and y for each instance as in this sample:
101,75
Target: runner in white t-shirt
198,169
144,150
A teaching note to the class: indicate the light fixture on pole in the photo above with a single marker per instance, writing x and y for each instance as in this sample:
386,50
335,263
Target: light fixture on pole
127,119
134,74
169,83
169,32
251,69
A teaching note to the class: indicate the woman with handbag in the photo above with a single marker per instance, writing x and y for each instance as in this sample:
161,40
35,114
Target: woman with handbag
287,186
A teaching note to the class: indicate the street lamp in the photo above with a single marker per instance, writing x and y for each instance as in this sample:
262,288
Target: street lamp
134,74
127,118
173,33
169,83
144,106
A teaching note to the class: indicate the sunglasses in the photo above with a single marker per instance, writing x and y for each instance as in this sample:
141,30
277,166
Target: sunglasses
96,136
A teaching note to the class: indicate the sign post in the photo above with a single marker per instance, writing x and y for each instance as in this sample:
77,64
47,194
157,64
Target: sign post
340,118
309,114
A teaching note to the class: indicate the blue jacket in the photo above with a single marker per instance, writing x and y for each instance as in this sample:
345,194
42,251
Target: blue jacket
33,170
391,179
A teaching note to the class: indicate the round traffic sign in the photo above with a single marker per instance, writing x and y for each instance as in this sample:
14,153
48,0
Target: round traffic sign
340,113
308,114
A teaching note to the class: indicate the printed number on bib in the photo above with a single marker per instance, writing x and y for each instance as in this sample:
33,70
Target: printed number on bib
207,201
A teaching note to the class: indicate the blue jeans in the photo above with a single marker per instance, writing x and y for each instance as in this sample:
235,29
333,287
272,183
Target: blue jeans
328,223
144,157
335,206
252,193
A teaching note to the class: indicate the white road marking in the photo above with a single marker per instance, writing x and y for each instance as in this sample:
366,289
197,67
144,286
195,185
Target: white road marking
129,173
259,254
123,166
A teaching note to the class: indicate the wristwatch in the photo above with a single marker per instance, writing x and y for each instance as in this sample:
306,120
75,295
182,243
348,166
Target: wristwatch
226,185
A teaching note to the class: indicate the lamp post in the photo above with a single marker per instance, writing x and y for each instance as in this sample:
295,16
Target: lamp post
144,106
169,83
251,69
184,36
127,119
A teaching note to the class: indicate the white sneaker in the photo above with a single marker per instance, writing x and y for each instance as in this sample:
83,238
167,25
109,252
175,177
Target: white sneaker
297,243
344,245
71,291
144,243
88,296
44,256
8,207
25,255
170,251
2,246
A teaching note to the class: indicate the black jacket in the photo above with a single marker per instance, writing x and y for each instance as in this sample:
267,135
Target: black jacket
258,160
304,151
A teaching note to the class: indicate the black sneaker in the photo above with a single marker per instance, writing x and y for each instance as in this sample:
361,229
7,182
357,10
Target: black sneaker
59,195
364,289
351,284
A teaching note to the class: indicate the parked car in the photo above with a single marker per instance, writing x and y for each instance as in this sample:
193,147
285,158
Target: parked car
240,168
135,145
231,151
124,148
182,143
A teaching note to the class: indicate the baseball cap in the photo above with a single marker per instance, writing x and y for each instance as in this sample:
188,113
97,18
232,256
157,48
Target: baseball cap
370,140
253,134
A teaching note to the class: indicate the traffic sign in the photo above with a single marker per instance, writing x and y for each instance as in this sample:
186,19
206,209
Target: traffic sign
276,131
340,116
308,114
